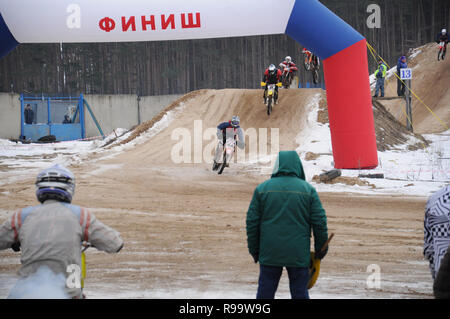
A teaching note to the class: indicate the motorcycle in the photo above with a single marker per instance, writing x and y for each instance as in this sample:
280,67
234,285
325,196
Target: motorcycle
227,152
270,95
286,76
442,50
315,72
307,60
312,63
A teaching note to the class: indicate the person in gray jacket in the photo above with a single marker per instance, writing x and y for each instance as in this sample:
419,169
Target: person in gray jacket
50,235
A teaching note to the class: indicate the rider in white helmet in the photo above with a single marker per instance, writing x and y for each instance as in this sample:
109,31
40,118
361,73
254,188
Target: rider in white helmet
50,234
288,64
443,38
229,129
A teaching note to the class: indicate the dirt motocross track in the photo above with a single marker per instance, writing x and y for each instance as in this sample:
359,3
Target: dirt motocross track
184,226
430,85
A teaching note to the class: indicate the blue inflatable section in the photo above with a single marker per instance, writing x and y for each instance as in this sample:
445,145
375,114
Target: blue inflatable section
6,38
318,29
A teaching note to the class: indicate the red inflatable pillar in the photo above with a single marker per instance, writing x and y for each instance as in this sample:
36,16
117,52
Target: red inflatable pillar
350,108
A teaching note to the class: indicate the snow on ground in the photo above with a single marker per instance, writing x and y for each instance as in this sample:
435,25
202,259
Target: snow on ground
109,291
29,159
412,173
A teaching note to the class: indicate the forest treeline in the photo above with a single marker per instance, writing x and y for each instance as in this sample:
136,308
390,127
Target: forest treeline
177,67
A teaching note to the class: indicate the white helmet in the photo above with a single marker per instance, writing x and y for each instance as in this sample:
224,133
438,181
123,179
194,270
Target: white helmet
235,120
272,69
56,182
444,31
288,59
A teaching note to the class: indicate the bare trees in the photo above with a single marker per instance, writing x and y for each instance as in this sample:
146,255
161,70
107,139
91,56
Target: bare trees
174,67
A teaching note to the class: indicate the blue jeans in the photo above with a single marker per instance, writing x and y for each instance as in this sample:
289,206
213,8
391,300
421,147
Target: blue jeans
269,277
379,86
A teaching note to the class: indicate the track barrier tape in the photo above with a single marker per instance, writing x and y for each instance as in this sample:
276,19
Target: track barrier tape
372,50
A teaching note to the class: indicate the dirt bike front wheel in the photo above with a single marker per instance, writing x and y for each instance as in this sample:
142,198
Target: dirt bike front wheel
286,81
269,105
315,76
223,164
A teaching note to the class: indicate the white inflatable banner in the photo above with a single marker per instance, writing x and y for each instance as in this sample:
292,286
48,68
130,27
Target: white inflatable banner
50,21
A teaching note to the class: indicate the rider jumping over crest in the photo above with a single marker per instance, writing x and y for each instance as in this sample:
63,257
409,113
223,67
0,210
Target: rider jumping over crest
227,130
272,75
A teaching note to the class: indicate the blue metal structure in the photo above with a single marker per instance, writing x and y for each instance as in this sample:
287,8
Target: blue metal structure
48,118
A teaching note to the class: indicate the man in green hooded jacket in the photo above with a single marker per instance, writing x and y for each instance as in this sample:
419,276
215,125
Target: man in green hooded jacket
281,215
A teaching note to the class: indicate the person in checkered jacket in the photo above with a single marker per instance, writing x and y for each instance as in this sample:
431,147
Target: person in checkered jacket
437,228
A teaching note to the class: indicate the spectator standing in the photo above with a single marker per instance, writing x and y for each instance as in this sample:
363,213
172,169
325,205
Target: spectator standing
401,64
437,235
380,75
281,215
28,114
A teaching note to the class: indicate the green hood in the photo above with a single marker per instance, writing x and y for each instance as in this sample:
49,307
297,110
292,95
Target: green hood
288,163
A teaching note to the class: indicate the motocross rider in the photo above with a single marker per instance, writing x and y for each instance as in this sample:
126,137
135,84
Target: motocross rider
227,130
272,75
287,63
50,235
443,37
314,58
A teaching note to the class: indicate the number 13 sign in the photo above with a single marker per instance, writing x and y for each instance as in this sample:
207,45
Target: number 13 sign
405,74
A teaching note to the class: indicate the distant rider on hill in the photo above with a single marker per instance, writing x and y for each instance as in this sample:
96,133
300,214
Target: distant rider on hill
227,130
443,37
272,75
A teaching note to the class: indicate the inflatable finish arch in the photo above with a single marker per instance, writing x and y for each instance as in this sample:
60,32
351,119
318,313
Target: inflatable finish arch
341,48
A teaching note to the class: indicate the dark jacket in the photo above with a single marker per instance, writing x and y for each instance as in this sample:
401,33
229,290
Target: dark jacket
442,38
281,215
67,120
401,64
29,116
224,125
273,78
